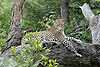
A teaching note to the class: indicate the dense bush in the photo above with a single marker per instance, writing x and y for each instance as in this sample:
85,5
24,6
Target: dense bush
31,55
39,15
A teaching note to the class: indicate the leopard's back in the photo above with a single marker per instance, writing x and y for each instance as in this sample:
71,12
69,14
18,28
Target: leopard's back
45,36
52,34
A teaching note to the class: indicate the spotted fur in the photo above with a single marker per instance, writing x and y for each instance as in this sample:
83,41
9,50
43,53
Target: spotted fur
55,34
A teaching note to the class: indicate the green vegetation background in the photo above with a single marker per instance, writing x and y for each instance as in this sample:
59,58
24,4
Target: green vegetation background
38,14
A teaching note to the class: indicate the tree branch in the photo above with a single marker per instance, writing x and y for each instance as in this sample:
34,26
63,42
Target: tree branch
87,12
94,23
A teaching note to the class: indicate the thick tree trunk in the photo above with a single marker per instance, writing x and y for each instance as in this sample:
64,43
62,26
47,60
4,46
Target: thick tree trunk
65,56
15,35
94,23
64,9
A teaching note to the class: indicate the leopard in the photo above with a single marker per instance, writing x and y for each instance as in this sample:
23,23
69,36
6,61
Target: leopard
54,34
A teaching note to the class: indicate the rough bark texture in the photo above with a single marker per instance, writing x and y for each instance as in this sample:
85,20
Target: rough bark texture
94,23
90,55
66,58
87,12
95,29
15,35
64,9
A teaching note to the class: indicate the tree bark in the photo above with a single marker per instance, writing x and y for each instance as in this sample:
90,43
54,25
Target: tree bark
94,23
15,35
65,56
64,9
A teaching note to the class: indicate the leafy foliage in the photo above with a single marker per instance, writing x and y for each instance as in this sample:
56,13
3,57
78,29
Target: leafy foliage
31,55
5,12
39,15
2,43
77,26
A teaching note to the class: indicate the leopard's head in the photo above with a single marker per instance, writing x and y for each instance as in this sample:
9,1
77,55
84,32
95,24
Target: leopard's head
59,24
